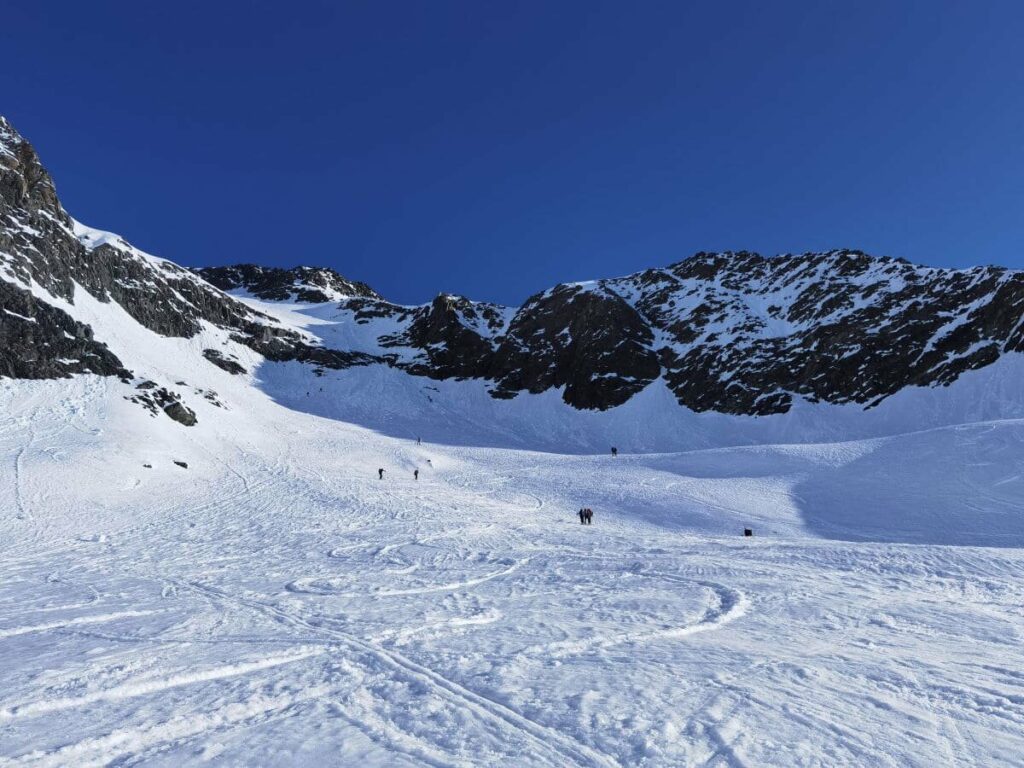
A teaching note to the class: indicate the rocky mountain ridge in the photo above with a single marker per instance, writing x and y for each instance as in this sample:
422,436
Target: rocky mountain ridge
732,332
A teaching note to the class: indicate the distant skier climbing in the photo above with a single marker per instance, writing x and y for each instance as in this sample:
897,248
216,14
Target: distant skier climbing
418,441
583,516
415,474
588,514
615,451
380,474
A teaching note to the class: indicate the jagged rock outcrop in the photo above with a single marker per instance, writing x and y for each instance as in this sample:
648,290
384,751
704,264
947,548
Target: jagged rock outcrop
453,335
591,342
39,341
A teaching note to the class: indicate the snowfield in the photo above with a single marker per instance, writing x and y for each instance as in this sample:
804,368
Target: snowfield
275,603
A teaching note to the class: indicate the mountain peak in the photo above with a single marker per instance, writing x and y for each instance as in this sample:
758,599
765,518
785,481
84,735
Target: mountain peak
24,182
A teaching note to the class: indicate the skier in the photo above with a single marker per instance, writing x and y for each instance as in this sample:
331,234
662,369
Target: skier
415,474
583,516
589,515
380,474
418,441
615,451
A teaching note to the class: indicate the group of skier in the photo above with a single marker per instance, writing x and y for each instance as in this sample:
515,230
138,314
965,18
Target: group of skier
415,473
586,516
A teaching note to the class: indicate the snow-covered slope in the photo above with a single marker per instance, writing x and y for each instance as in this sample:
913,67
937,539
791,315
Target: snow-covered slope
276,603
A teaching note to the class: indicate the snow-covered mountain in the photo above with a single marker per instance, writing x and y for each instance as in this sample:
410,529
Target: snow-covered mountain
203,563
731,333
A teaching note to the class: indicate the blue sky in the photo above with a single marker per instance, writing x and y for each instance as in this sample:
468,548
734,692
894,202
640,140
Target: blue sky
494,149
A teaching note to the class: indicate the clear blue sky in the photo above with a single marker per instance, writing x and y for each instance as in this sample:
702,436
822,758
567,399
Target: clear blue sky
496,148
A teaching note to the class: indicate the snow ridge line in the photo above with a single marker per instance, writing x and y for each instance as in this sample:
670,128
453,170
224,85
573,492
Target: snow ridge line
546,738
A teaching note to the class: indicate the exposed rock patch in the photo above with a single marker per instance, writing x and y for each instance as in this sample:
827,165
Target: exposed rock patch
218,358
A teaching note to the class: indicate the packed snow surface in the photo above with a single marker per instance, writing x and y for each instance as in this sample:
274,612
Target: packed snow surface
276,603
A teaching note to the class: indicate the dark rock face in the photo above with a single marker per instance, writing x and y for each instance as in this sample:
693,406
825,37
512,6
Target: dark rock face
448,335
308,284
751,332
593,343
39,341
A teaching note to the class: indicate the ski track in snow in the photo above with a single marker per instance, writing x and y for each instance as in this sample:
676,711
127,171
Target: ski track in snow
543,738
277,604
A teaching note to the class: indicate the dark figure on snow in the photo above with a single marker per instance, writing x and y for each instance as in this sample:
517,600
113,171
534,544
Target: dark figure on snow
418,441
589,514
615,451
415,474
583,516
380,474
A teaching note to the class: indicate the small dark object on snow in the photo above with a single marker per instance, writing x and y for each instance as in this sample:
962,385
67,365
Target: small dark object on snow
380,474
615,451
747,532
415,474
589,514
182,464
148,466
